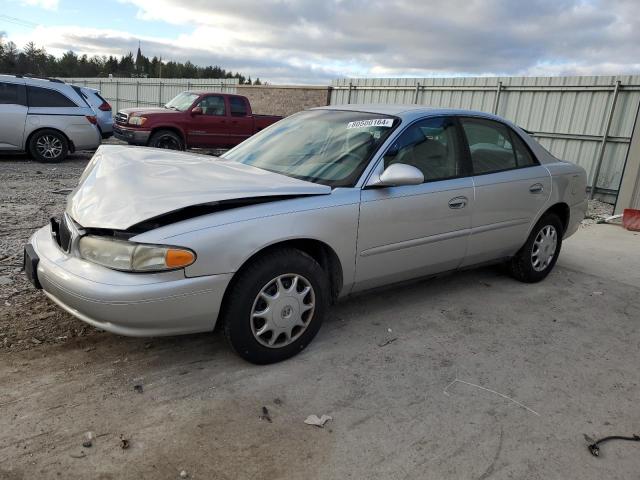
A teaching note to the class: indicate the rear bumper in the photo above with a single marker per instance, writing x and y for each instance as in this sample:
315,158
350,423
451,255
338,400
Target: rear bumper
130,135
129,304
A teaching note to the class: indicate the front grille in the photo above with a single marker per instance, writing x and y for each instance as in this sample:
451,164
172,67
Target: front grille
121,118
61,233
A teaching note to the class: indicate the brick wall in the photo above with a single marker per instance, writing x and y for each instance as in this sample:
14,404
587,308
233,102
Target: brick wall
283,99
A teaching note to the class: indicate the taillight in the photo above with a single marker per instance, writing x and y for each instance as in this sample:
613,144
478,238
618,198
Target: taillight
92,119
105,107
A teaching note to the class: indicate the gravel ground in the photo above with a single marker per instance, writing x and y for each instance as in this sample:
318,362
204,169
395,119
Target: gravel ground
30,194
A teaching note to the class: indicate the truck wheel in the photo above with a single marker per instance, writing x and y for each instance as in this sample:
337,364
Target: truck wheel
166,139
48,146
276,306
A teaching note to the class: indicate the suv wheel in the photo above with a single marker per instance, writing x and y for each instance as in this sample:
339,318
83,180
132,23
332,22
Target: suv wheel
48,146
276,306
539,254
166,139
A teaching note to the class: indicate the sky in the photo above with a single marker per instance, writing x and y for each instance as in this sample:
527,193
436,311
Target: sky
316,41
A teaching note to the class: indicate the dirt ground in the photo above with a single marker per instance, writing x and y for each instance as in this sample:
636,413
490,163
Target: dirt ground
471,375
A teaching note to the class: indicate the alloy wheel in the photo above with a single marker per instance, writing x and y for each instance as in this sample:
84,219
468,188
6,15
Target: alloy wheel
49,146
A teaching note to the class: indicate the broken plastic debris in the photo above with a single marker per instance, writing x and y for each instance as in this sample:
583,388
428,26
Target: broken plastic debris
88,440
265,415
318,422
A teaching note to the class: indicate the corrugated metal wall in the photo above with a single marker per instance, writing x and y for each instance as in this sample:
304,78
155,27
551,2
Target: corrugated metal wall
569,115
150,92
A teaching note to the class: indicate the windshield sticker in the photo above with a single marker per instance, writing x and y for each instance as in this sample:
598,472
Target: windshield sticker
376,122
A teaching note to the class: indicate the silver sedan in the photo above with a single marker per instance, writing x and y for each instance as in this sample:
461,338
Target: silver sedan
318,206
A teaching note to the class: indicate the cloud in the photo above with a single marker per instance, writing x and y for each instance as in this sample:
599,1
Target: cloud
307,41
46,4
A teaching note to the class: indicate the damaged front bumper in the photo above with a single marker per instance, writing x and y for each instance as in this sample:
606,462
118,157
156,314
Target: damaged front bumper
132,304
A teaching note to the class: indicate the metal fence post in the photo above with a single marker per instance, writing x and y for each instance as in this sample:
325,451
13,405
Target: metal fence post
160,94
496,101
137,93
415,98
117,95
349,95
605,137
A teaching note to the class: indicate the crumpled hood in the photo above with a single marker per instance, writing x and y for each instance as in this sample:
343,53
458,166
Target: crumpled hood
123,186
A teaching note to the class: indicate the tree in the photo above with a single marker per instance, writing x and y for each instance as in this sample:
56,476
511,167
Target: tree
36,61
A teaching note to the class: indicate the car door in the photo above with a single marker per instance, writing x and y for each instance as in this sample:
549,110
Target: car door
13,115
240,123
416,230
209,127
511,188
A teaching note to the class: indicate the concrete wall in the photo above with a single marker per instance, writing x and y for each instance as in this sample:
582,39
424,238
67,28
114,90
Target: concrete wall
283,99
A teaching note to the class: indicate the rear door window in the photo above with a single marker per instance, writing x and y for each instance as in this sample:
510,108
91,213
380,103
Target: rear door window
11,94
45,97
238,107
490,146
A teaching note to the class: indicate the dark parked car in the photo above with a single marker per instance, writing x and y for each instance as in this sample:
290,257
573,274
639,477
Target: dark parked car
192,119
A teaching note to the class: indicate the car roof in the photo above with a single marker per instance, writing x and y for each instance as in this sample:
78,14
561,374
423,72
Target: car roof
409,112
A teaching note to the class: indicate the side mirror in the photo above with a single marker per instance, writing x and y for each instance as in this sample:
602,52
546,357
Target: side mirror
397,175
196,111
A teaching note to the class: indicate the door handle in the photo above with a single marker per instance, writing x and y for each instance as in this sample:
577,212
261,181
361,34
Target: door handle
458,202
536,188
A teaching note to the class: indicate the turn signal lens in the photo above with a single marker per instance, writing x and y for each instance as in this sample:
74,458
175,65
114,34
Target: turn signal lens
176,258
92,119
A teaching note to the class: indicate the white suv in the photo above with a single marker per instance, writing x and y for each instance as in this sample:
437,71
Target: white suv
46,118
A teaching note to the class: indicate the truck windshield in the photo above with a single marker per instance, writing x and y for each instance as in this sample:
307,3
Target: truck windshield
182,102
330,147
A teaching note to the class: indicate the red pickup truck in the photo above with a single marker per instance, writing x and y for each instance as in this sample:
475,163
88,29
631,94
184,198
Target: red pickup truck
192,119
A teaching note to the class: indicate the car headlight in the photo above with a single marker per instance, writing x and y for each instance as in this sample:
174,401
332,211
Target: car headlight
137,121
133,257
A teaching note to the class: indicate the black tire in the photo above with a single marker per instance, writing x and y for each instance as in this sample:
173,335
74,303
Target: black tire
522,267
166,139
48,146
238,321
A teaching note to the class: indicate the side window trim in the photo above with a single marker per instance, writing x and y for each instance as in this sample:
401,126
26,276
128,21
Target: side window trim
510,132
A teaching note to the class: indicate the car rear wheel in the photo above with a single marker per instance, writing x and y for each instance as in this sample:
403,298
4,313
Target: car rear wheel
166,139
48,146
276,306
539,254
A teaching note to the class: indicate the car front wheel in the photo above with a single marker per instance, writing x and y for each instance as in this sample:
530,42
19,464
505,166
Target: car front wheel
276,306
539,254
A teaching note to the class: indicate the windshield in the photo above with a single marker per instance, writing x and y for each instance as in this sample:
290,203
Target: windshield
182,102
330,147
